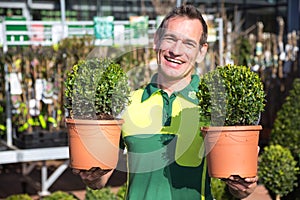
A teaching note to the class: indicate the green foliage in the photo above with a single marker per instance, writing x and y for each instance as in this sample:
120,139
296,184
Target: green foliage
231,95
243,50
19,197
277,169
103,194
286,128
60,195
218,188
2,119
122,191
96,89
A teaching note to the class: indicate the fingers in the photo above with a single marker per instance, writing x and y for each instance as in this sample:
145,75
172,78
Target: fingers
242,184
95,178
100,172
91,174
75,171
236,186
241,187
251,180
244,180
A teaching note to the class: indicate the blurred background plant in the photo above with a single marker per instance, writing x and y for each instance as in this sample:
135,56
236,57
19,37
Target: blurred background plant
286,131
278,170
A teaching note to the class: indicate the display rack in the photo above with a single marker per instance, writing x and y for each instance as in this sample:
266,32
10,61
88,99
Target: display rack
53,32
31,156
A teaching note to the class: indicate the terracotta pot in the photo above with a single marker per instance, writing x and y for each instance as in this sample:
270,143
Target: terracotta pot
94,143
232,150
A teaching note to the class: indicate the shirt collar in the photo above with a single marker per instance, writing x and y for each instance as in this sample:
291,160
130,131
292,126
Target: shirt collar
189,92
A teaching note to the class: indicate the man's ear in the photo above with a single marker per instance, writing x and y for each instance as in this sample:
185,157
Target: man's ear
202,52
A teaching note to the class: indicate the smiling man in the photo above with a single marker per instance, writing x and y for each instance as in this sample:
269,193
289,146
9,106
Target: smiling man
161,133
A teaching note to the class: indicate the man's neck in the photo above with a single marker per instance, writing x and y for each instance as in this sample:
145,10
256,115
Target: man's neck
171,86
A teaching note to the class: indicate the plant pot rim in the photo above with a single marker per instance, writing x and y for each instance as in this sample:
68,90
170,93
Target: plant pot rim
93,121
231,128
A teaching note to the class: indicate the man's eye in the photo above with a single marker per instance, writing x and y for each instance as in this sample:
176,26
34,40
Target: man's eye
169,39
190,45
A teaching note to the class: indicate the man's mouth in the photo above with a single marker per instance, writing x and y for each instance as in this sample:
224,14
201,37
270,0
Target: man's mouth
174,60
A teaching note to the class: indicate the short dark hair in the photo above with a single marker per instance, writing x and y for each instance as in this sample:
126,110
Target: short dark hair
189,11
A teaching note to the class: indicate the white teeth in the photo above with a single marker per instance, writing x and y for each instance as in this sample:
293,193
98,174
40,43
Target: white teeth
174,60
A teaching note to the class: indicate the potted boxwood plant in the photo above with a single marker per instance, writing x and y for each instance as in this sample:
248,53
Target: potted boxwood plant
278,170
96,92
285,130
231,99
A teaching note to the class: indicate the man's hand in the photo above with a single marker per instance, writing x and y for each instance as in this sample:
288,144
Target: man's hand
94,178
241,187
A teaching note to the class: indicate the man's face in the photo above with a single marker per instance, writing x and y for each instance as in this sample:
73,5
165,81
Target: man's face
179,48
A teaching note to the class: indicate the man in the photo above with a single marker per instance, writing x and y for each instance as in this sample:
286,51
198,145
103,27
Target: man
161,131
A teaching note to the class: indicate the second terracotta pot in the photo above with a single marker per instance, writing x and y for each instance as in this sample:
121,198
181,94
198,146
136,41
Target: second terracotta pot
232,150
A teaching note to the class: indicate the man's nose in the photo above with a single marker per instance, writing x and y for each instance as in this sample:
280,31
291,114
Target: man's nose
177,47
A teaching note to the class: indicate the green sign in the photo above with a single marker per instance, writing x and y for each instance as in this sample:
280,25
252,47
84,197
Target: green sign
139,30
104,27
16,28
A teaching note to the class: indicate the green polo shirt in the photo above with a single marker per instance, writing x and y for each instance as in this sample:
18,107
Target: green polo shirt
165,149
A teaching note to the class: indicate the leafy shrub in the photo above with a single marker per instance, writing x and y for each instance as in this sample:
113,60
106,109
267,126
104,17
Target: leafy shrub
122,191
218,188
103,194
59,195
277,170
2,118
242,51
286,128
96,89
231,95
19,197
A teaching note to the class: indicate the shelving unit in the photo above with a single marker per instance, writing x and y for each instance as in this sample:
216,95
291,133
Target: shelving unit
31,156
52,32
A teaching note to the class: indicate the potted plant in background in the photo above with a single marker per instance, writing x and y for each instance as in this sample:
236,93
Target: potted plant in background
278,170
286,130
60,195
19,196
231,99
96,93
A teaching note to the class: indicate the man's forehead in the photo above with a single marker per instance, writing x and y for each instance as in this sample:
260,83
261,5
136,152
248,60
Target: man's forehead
176,34
184,27
180,35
